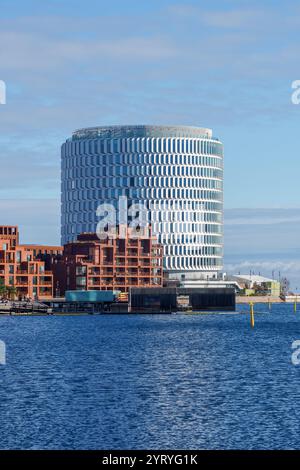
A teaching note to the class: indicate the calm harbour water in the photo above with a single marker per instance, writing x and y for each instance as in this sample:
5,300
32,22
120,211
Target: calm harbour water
167,381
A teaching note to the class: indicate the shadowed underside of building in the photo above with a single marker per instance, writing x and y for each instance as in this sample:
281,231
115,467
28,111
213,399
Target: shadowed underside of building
176,299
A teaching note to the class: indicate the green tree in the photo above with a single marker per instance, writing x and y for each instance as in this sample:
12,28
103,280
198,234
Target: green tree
11,292
2,288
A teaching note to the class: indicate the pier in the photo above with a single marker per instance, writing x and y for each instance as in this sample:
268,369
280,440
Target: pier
25,308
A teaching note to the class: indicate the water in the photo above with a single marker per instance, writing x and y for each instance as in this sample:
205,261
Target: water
173,381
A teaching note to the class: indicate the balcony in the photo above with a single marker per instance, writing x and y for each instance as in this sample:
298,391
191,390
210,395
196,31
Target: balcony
94,272
22,272
105,284
144,272
45,292
132,272
105,272
132,282
132,242
120,262
83,259
145,282
107,262
120,271
132,262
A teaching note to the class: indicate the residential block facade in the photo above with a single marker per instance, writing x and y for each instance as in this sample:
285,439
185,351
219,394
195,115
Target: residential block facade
90,263
24,267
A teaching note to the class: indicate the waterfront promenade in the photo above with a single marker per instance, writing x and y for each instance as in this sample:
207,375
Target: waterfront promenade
257,299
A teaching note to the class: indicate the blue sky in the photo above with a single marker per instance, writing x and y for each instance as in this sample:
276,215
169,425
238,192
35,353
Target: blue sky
225,65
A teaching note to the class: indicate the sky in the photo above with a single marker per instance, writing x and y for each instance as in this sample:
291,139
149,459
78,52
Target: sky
227,65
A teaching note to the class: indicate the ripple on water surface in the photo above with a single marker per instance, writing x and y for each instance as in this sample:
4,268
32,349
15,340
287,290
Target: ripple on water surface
173,381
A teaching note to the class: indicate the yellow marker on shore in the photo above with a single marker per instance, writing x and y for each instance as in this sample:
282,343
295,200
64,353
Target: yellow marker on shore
251,314
295,305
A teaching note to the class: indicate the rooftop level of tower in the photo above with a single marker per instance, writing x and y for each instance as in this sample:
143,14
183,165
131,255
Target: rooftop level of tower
140,131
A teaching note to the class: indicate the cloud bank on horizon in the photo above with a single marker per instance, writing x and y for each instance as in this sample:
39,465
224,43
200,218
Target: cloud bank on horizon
224,65
264,241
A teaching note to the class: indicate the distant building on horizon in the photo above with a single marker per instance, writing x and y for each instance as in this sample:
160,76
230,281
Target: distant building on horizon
252,284
176,171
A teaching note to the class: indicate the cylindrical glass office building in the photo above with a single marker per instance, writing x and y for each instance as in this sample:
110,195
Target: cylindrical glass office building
177,172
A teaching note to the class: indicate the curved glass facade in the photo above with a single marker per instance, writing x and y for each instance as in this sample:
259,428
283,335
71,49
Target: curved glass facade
176,171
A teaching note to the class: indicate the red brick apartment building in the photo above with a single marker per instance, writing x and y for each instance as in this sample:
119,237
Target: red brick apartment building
110,264
25,267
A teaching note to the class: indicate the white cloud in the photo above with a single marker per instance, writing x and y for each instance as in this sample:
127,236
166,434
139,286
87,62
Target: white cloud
285,267
238,18
263,240
261,216
32,50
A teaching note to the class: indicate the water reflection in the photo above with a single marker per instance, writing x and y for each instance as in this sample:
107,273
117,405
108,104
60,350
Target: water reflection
150,382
